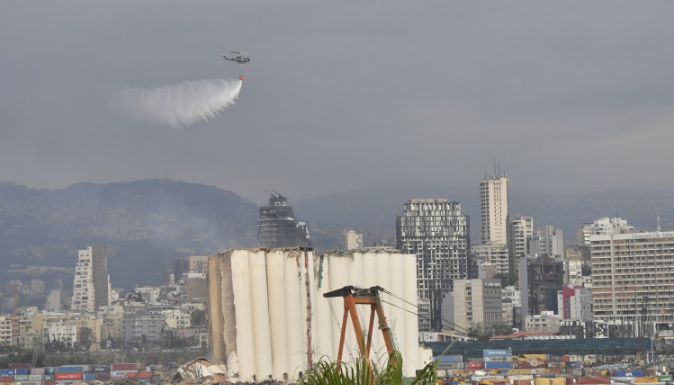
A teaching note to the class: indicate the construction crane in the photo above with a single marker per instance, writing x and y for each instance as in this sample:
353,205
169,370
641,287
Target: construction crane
354,296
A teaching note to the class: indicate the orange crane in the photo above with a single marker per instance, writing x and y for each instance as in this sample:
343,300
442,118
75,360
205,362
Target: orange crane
355,296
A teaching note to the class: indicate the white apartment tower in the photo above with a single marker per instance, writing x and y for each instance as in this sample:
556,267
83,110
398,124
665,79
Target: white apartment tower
494,208
520,231
91,288
352,240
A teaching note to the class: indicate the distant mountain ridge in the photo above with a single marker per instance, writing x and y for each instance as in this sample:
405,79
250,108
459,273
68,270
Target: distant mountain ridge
144,223
147,223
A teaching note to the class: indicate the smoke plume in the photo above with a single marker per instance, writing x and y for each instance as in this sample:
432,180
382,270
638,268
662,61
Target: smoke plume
186,103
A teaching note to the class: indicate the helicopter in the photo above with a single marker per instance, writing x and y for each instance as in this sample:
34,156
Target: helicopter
241,57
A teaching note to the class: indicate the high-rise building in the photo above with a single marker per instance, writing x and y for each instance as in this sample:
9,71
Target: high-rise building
477,301
520,231
438,234
277,226
574,302
494,208
540,279
491,253
91,288
191,264
548,241
632,275
352,240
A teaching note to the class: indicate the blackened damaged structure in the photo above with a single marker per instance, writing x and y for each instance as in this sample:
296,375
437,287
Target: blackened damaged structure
277,226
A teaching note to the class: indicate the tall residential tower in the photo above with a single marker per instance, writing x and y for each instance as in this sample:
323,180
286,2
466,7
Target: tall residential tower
91,288
438,234
494,208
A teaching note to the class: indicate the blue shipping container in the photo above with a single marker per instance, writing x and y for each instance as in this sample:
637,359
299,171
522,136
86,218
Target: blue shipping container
21,371
6,372
89,376
496,352
498,365
449,358
69,369
617,373
637,373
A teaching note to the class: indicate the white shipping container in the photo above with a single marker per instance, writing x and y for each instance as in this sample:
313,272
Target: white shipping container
34,377
498,359
120,373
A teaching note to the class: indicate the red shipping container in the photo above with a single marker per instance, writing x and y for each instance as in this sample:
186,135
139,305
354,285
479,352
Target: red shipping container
474,364
48,382
138,375
569,380
118,367
102,376
521,382
68,376
19,366
6,378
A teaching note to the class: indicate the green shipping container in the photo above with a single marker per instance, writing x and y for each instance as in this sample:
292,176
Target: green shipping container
665,378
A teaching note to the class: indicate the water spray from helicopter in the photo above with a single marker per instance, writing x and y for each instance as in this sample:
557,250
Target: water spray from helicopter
181,105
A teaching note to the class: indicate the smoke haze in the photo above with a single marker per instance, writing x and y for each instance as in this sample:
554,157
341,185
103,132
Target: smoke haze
184,104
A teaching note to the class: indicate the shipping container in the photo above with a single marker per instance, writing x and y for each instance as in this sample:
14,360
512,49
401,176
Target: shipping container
522,382
120,373
573,364
623,379
68,369
441,365
474,364
89,376
102,376
441,373
6,372
498,365
592,380
31,382
37,371
498,359
453,358
531,365
100,369
497,352
637,373
20,365
20,377
35,377
68,376
529,357
48,377
6,378
645,380
665,378
550,381
48,382
125,367
554,364
21,371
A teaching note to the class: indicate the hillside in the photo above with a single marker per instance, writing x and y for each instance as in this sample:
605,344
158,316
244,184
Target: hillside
144,223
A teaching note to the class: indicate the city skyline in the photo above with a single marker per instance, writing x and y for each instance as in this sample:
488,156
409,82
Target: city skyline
561,93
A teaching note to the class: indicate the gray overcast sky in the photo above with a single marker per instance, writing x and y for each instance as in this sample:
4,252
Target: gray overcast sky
568,96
